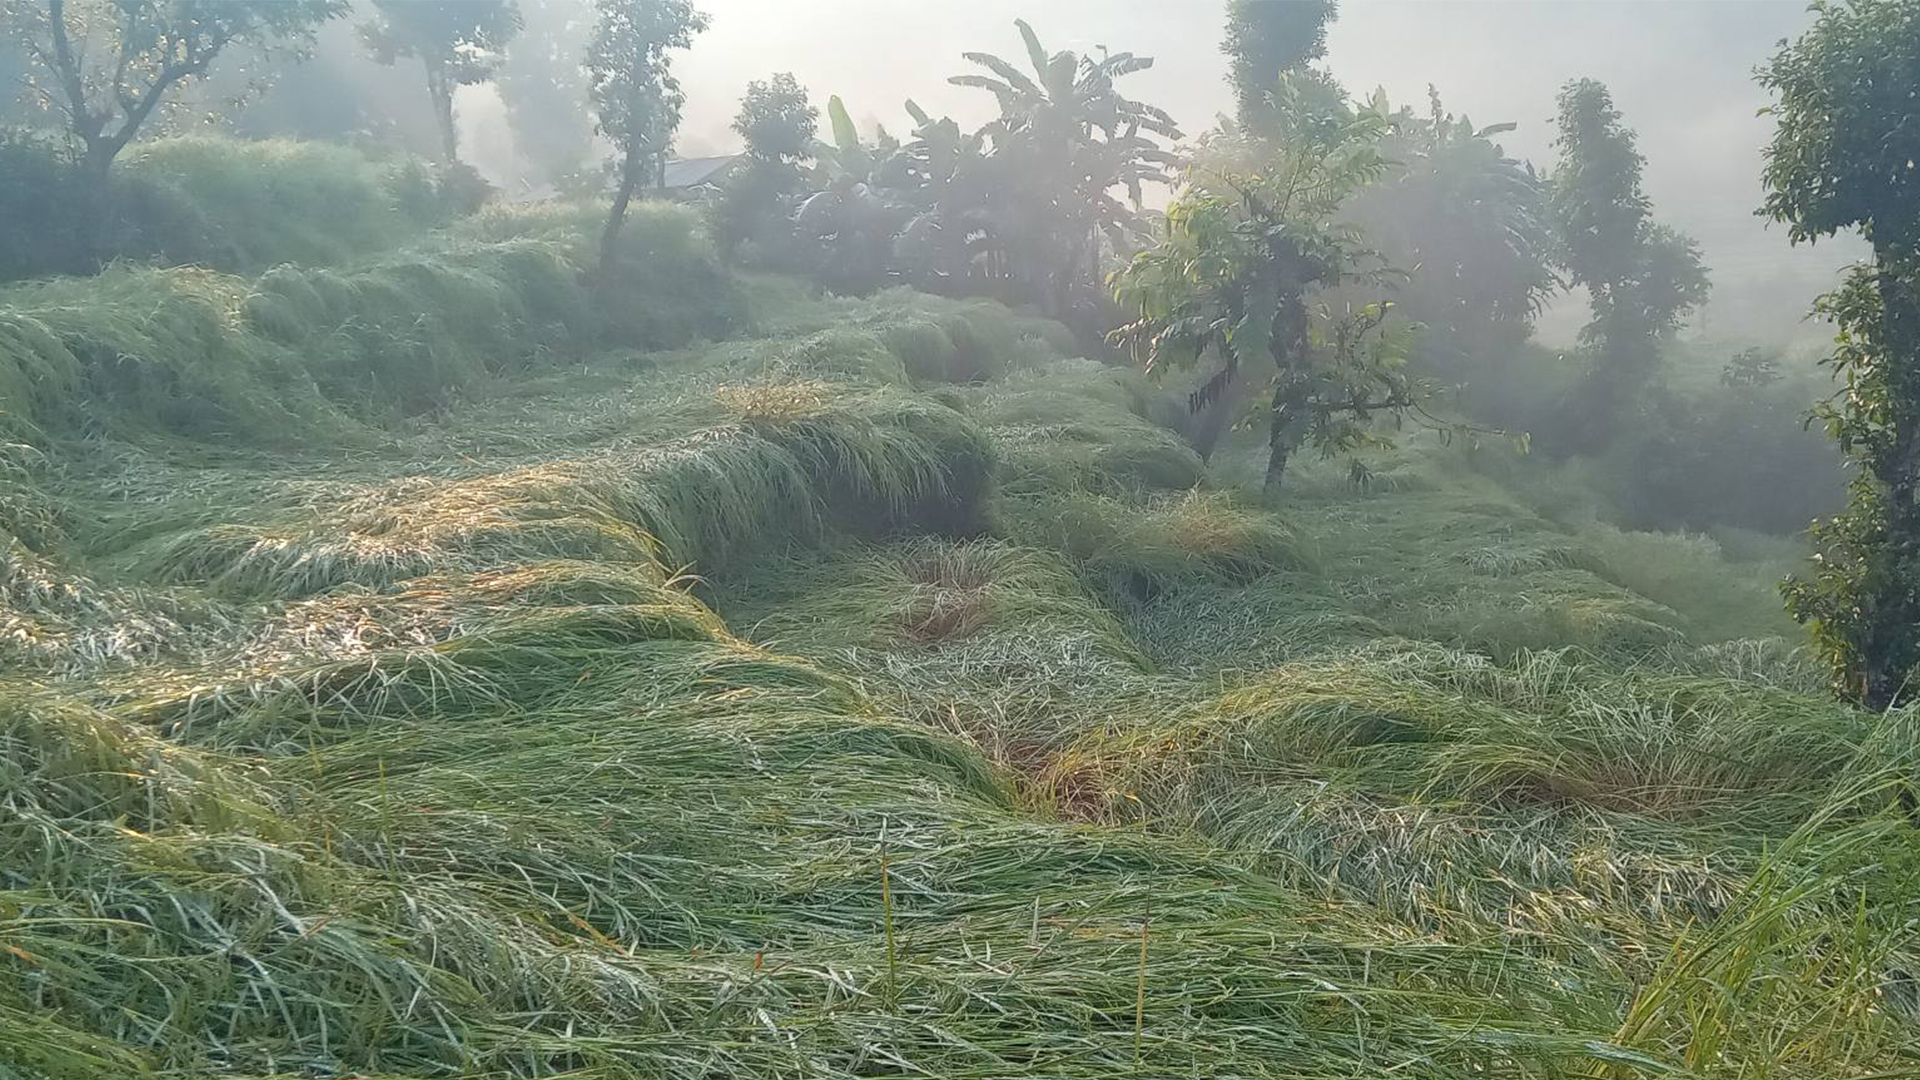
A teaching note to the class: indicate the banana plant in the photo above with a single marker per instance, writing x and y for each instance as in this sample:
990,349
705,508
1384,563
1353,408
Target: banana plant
1064,142
851,218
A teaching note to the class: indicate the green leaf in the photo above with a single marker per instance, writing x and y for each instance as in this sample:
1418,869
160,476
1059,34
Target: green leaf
1036,55
844,135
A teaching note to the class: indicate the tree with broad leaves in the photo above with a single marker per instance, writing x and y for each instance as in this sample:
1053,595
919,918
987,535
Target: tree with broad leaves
1234,282
636,100
458,42
1472,226
106,67
1843,157
941,172
1064,141
1642,279
851,219
1265,40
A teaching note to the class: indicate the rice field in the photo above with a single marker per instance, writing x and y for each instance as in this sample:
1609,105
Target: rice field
802,687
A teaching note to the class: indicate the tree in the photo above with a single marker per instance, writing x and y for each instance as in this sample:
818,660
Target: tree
1065,139
778,123
458,43
941,172
542,85
851,218
107,66
1265,38
636,100
1843,156
1264,41
1472,226
1235,276
776,119
1641,279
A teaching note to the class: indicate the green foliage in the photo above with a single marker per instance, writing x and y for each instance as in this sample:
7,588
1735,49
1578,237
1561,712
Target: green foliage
542,85
1473,228
1230,283
311,350
1064,140
751,215
776,119
458,43
1264,40
44,225
1641,278
635,98
237,206
255,204
1843,157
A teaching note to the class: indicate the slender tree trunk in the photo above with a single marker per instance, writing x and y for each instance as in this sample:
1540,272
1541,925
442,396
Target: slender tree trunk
1891,645
96,176
1286,430
1284,435
440,89
630,170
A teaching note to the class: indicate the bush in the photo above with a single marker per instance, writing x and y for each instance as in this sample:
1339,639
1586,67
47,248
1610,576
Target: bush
42,225
223,203
670,285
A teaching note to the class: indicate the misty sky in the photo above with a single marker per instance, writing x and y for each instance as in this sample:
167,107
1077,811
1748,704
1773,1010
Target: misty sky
1681,73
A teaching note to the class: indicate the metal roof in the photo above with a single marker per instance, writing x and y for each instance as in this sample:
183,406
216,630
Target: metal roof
691,172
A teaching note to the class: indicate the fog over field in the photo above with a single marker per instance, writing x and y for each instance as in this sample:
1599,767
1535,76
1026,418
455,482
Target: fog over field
959,539
1681,72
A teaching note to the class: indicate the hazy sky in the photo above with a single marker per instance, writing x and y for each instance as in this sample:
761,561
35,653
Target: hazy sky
1680,71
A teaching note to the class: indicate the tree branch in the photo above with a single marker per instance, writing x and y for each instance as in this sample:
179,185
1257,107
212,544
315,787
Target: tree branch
85,124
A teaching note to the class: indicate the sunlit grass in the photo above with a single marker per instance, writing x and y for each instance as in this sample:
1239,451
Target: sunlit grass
565,727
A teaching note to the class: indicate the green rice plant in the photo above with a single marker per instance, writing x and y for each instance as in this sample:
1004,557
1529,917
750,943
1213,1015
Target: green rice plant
258,203
137,351
1691,574
924,350
921,592
670,288
1008,746
1137,551
836,355
871,464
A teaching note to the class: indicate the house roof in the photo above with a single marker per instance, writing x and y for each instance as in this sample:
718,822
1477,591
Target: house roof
691,172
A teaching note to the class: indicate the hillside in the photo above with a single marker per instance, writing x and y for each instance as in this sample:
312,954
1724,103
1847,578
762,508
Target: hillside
410,672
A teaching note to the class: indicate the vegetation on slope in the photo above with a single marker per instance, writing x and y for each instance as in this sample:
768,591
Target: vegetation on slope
877,690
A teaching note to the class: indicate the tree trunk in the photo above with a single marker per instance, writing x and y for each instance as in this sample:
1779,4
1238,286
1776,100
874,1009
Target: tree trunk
1291,389
1284,435
96,176
630,167
440,89
1277,454
1889,649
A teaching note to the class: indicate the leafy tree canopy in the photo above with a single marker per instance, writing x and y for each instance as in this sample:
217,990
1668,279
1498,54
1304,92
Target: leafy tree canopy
458,43
1843,156
776,119
636,99
105,67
